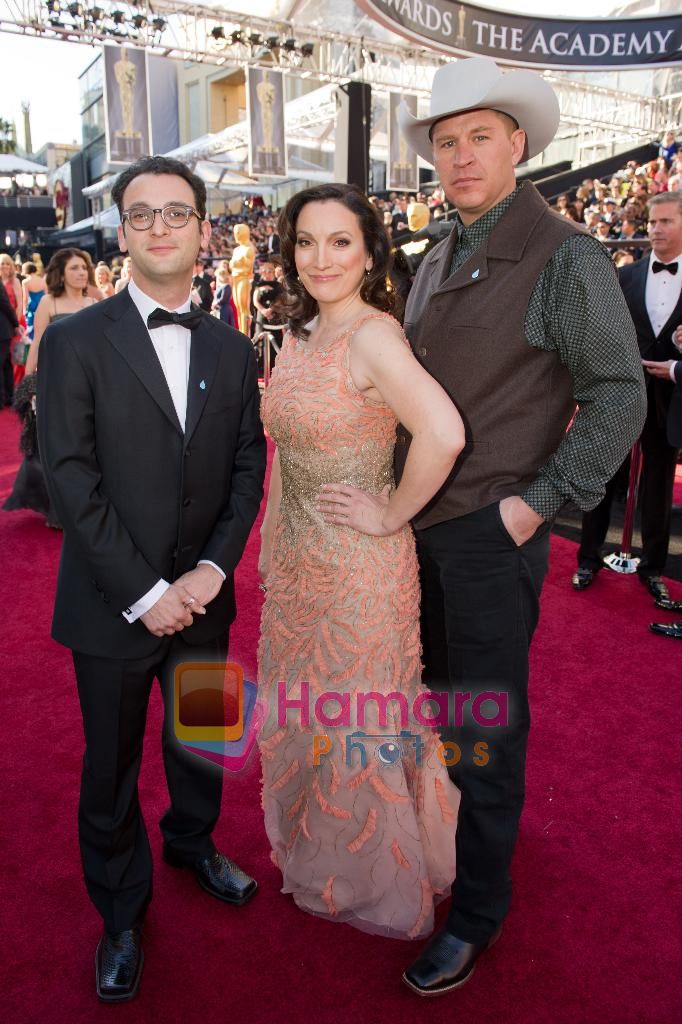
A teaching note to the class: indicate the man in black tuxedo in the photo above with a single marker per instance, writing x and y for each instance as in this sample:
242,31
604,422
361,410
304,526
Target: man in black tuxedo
154,455
201,283
673,367
653,292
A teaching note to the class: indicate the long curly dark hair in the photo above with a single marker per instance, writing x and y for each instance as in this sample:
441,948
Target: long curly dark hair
298,305
54,275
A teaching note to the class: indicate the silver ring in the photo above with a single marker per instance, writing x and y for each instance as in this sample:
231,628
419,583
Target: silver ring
186,604
261,586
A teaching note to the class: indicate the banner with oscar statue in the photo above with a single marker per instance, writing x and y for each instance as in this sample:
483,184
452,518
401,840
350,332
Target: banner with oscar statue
402,172
126,104
265,100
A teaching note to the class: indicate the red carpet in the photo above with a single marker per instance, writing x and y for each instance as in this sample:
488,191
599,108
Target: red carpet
594,932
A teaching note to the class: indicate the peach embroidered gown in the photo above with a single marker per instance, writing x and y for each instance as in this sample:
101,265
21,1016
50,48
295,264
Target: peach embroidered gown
373,845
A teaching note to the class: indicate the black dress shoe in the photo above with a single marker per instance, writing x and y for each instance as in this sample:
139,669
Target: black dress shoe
673,629
445,963
218,875
582,578
668,605
118,965
657,589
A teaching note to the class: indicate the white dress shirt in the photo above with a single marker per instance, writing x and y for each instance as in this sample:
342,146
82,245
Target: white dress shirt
172,344
662,292
662,295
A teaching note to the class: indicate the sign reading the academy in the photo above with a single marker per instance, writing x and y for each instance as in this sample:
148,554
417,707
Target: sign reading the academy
518,39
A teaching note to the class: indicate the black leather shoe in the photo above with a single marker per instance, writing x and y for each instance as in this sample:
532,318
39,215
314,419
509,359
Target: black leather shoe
582,578
445,963
218,875
673,629
118,965
668,605
657,589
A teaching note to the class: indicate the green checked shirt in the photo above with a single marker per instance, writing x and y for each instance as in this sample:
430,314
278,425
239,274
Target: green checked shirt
575,311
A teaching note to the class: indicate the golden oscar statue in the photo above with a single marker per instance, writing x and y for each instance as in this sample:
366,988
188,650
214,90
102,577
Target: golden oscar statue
268,153
241,268
403,175
128,141
461,20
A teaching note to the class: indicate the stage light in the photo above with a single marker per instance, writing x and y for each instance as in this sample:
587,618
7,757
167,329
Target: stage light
139,21
272,42
308,49
218,32
76,10
255,38
289,45
159,24
96,14
53,6
236,37
118,17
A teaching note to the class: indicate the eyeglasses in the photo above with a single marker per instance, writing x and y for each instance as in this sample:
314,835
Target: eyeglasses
173,215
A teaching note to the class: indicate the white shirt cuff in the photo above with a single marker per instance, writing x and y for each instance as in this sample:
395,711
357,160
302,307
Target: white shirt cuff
146,602
207,561
673,367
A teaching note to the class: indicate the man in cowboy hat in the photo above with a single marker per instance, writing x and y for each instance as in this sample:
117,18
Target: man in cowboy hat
519,315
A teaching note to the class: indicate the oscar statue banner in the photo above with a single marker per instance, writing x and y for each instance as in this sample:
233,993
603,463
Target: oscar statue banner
402,161
525,41
265,101
126,104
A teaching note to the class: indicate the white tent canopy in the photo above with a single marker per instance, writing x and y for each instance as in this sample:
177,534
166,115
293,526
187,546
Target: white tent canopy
11,164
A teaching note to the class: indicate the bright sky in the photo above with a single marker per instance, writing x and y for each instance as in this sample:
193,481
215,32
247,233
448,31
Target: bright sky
45,72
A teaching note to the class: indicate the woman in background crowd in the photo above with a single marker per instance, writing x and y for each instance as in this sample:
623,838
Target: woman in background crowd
68,278
223,305
103,280
10,281
33,287
125,274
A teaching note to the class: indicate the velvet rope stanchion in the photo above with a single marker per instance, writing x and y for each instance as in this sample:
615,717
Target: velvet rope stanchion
623,562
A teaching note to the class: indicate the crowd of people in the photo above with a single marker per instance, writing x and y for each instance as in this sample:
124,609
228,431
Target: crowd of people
617,209
22,190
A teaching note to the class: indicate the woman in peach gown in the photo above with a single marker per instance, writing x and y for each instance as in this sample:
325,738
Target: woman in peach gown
362,829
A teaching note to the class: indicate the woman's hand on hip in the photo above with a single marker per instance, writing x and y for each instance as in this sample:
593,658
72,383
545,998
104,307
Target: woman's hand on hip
342,505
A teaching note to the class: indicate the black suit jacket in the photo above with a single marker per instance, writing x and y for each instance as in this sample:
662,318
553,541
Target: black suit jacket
675,411
8,317
656,347
138,498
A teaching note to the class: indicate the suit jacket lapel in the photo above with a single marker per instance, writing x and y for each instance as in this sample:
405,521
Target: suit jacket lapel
203,363
131,338
640,273
673,320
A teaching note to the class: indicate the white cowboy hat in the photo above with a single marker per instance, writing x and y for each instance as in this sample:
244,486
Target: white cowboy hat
478,84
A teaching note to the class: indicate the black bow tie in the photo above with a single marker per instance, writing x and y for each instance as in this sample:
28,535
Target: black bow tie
161,317
658,267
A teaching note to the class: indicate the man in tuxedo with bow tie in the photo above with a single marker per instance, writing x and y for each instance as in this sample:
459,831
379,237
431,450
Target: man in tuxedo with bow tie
653,292
154,455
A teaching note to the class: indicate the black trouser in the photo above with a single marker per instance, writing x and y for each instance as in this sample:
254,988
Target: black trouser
117,862
480,606
655,501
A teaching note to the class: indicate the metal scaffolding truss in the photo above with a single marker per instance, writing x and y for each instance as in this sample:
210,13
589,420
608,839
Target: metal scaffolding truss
217,36
192,32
